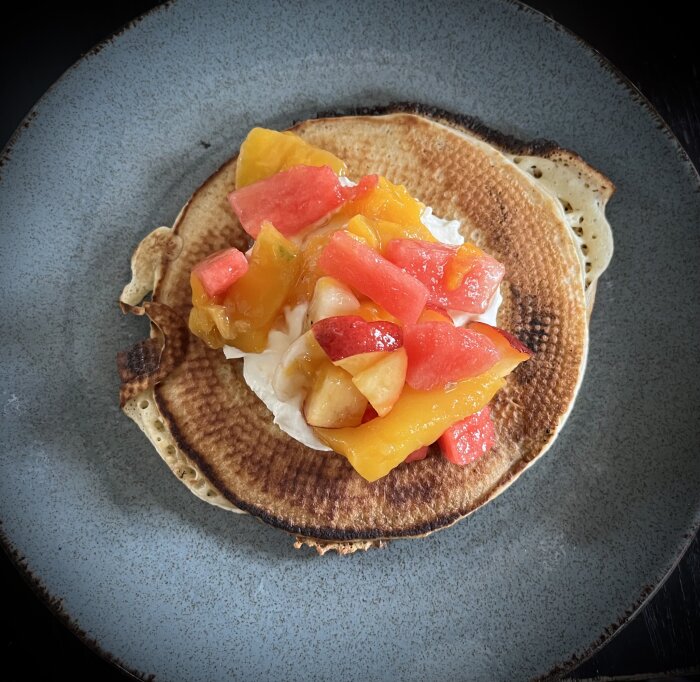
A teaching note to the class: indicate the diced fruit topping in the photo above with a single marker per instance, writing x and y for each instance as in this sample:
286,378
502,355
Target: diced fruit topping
293,199
382,382
220,270
331,298
334,402
439,267
245,315
361,228
469,439
359,266
383,372
418,418
266,152
348,335
440,353
199,296
309,271
202,325
254,302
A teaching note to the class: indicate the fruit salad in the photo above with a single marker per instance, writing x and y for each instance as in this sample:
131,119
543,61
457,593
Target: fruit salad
354,319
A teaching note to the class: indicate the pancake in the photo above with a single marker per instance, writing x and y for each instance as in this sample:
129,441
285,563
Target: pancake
538,209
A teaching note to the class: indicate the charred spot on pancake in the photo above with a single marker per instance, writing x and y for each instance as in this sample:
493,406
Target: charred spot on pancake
140,360
151,361
532,324
539,328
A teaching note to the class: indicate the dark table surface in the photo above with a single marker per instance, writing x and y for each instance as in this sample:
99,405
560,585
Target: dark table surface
654,46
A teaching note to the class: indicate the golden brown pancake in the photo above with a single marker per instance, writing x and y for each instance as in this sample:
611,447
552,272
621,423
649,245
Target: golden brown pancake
519,203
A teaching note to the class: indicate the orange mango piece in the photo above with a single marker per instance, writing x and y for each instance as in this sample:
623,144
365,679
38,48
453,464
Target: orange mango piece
378,233
202,325
460,264
201,321
309,272
386,202
200,298
254,301
388,230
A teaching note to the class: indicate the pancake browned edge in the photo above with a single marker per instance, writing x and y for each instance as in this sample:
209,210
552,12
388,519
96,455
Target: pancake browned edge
539,209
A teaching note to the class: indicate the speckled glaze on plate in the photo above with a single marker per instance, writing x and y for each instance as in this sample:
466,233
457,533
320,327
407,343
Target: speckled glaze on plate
170,586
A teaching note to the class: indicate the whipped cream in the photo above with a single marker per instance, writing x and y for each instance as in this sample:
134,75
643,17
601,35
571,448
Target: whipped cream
259,371
259,368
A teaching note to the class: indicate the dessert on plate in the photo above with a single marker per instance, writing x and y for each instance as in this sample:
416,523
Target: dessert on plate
366,327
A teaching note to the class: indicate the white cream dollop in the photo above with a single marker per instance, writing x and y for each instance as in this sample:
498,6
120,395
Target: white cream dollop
259,368
445,231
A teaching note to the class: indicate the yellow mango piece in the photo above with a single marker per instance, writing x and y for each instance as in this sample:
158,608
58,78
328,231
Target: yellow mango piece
460,264
386,202
201,322
388,231
360,227
266,152
200,298
418,418
202,325
309,272
245,336
378,233
254,301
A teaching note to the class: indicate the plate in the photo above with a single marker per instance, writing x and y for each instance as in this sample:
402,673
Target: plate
169,586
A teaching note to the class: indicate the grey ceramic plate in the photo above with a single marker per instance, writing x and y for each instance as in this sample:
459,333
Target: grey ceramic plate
173,587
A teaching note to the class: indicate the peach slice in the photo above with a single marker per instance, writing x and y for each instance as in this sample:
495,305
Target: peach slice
511,351
334,401
344,335
354,364
381,383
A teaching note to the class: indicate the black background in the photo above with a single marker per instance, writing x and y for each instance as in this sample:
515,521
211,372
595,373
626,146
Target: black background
655,46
